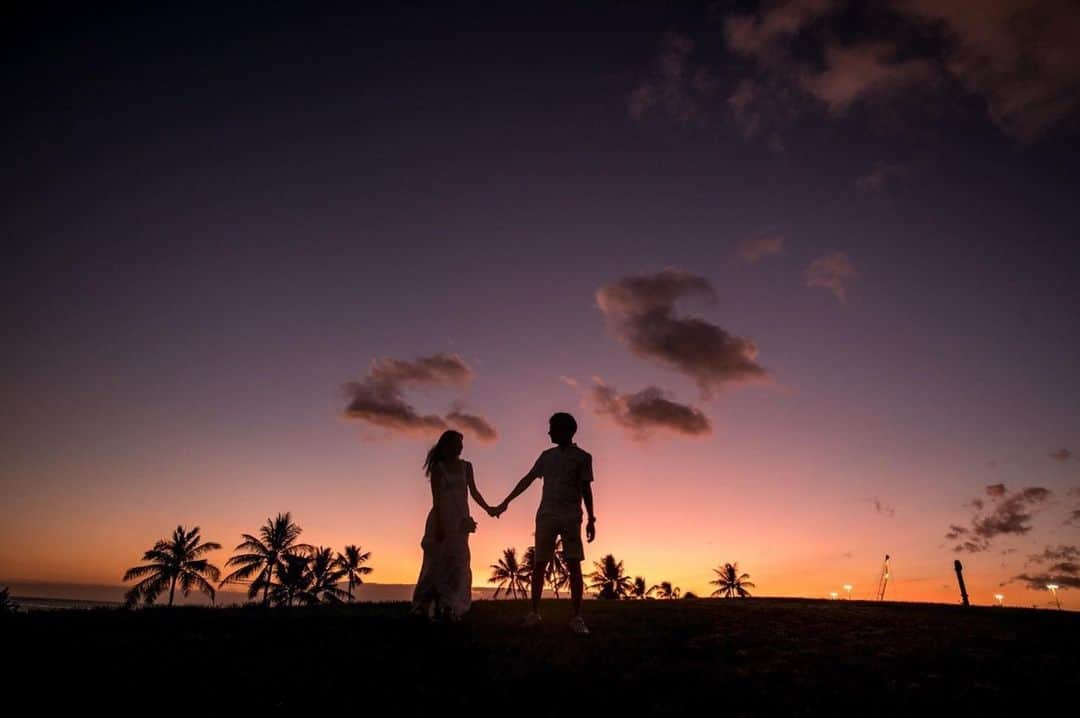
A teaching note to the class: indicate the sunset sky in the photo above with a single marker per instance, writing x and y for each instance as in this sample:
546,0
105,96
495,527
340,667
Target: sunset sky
805,273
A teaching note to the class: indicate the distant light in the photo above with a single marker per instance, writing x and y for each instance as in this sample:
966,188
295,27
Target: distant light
1053,589
999,598
833,594
848,587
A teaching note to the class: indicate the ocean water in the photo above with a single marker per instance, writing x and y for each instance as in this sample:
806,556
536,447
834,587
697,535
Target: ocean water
34,603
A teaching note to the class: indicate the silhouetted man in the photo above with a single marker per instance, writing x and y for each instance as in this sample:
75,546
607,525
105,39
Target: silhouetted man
567,473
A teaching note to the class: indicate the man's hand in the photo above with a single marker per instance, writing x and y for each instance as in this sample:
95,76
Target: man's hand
496,511
590,529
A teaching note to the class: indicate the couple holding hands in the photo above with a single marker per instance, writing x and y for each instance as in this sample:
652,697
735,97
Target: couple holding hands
445,583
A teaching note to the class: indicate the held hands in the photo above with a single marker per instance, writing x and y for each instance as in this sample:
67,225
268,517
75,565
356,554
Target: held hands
497,511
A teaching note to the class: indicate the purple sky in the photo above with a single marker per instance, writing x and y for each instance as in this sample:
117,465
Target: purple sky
216,220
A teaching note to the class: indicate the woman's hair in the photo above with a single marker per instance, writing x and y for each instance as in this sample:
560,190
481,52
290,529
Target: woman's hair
441,450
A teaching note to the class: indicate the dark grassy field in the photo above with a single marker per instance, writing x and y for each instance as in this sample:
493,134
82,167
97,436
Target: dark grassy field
742,657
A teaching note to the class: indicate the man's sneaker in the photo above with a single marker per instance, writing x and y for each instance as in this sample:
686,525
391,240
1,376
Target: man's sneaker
577,625
531,621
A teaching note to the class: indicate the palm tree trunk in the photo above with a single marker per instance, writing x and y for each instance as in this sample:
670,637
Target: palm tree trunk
266,586
350,588
172,590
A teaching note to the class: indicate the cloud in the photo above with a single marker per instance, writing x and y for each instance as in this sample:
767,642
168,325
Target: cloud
883,509
649,410
881,177
955,532
641,309
678,86
1074,518
1062,552
1019,56
1011,514
859,71
1040,581
833,272
435,370
1061,455
470,423
763,245
379,398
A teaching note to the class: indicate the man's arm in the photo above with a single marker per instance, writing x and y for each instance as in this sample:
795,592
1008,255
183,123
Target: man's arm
526,482
586,496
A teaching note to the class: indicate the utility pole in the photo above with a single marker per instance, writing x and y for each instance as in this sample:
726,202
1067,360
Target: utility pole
960,577
883,581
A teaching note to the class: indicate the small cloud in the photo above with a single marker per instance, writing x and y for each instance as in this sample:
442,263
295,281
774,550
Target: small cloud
648,410
1011,515
641,310
881,177
884,510
678,86
379,398
1074,518
955,532
833,272
1039,582
478,426
1062,552
1061,455
756,248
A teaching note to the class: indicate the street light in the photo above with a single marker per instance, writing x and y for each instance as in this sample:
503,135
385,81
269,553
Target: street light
848,587
999,598
1053,589
833,595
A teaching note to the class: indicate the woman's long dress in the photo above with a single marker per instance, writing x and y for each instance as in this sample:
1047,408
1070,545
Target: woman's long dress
445,581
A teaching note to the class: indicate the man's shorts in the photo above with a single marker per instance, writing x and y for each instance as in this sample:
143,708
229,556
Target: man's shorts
549,528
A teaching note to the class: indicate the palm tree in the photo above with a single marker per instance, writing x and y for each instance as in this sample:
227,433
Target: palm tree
666,590
557,575
507,575
730,583
609,580
638,591
351,563
325,574
265,555
294,579
6,604
172,561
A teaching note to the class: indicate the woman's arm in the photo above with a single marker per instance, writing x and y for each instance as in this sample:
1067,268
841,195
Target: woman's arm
475,492
436,502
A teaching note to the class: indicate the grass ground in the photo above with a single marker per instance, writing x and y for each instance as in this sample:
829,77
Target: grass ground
741,657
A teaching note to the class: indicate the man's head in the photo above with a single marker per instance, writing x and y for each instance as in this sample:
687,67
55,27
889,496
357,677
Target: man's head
562,428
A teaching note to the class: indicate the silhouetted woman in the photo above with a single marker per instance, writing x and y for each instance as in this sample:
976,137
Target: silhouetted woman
445,584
